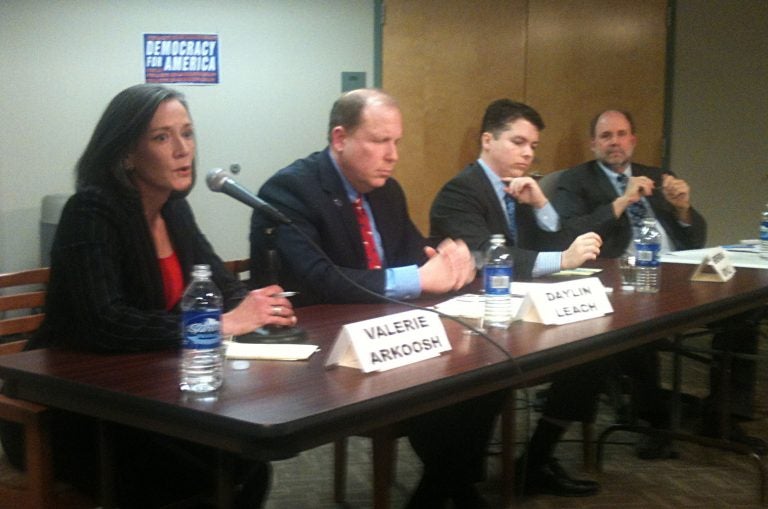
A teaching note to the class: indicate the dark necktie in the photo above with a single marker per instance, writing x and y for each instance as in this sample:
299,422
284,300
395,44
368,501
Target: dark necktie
366,232
637,210
509,203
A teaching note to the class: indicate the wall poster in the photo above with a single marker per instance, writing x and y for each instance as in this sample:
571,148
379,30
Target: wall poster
181,58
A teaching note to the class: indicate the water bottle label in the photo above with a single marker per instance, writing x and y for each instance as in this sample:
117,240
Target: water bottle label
201,329
497,280
647,255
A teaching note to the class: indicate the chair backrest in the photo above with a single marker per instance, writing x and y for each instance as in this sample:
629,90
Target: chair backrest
12,347
240,268
548,183
22,297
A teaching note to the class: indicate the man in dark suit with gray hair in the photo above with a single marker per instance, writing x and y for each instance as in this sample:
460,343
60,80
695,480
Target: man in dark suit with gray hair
610,195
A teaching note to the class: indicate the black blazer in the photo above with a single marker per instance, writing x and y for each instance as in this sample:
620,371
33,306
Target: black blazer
106,291
584,198
467,208
311,193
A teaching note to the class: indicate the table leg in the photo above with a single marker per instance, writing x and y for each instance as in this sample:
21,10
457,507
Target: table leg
508,436
340,470
384,455
107,466
225,484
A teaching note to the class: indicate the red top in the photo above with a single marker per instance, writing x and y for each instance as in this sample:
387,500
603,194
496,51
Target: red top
173,281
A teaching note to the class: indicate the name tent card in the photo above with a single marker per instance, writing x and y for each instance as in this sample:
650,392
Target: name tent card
716,266
389,341
566,302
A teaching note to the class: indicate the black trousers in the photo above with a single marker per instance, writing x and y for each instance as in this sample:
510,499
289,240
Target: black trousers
451,442
573,393
737,334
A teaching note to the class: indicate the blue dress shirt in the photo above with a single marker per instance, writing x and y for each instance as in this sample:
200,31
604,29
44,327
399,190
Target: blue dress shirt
547,219
401,282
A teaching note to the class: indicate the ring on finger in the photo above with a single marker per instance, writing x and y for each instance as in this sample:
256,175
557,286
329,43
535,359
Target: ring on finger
277,310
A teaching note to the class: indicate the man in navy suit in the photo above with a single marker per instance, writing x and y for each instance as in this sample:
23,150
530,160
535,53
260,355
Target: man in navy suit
473,206
319,192
604,195
345,200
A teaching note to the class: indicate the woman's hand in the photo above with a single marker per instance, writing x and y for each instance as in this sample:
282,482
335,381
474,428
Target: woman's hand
258,308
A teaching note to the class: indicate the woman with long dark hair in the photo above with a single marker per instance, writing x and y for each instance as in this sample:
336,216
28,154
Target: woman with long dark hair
121,258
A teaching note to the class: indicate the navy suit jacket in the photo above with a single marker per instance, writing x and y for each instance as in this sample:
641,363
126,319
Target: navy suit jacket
467,208
584,198
311,193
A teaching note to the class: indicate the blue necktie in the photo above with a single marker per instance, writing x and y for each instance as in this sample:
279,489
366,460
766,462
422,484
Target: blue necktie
509,203
637,210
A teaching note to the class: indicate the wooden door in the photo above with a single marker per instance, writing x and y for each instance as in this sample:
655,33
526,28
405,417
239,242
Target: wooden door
446,60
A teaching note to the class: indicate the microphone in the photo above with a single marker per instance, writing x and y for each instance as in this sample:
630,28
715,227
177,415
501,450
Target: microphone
220,180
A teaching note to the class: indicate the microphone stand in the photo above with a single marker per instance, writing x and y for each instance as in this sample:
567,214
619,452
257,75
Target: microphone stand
273,333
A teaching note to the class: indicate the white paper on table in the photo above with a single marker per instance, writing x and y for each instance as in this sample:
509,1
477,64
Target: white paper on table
747,260
457,306
269,351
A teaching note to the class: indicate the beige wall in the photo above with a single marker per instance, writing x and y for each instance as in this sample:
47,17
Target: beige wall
281,65
719,135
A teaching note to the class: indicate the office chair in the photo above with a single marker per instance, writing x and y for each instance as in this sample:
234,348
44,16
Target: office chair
36,488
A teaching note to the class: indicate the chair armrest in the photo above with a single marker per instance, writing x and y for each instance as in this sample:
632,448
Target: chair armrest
20,411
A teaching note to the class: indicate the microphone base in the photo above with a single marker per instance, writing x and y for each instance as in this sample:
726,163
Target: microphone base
274,334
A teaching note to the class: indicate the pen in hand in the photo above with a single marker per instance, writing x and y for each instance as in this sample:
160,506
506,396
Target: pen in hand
284,294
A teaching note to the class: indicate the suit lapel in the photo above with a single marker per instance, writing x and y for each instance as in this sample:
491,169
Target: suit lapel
603,183
333,187
483,183
499,215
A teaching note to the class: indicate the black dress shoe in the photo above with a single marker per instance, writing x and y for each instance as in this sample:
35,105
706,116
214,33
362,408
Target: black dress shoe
551,479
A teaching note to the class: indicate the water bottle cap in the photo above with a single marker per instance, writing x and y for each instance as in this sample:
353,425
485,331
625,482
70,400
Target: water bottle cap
200,271
498,238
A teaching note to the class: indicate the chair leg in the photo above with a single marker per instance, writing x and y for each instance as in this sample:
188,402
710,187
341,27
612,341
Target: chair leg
588,445
108,466
384,458
339,470
723,401
508,436
763,477
39,467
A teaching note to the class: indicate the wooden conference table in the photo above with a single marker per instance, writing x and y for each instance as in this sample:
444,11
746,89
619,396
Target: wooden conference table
274,410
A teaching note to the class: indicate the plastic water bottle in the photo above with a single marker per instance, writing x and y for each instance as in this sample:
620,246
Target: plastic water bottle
764,233
497,275
201,356
647,265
